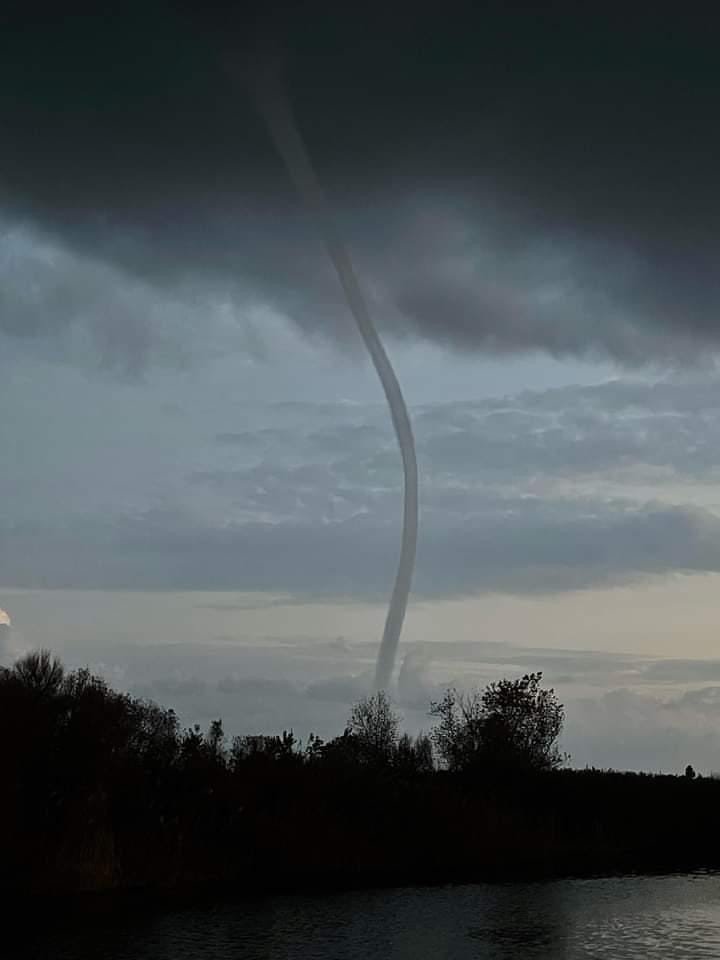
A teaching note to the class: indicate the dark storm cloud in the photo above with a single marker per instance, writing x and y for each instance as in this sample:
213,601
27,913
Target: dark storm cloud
508,176
46,290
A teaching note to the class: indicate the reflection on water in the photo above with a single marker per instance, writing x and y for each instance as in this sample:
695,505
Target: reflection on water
631,917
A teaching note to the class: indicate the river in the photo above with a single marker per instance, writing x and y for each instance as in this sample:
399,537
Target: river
627,917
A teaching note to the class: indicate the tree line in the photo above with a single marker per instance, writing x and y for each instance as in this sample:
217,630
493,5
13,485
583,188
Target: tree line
106,791
510,725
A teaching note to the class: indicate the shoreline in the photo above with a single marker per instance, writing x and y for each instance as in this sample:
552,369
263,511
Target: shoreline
62,908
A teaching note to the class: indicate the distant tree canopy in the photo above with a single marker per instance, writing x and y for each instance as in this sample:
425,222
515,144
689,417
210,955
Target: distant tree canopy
102,790
261,749
512,724
39,672
90,726
372,740
374,725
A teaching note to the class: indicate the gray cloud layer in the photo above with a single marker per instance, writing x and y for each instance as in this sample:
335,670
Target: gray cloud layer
507,180
531,551
540,492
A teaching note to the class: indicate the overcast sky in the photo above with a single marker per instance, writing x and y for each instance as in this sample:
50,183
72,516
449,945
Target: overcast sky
200,491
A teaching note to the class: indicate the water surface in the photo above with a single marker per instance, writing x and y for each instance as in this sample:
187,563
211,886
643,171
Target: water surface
631,917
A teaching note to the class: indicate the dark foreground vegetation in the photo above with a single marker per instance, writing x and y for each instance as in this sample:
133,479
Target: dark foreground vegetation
104,792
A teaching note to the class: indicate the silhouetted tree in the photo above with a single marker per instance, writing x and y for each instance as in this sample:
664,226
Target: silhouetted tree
216,740
458,734
424,760
191,745
342,752
414,756
374,725
40,671
264,749
511,724
313,748
690,772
